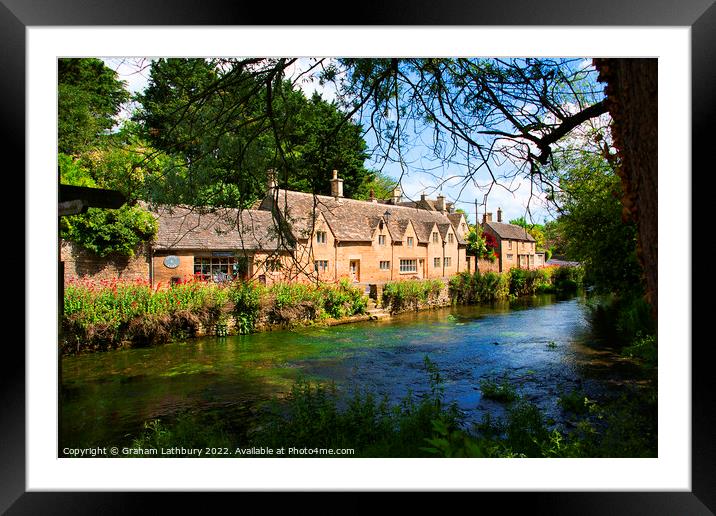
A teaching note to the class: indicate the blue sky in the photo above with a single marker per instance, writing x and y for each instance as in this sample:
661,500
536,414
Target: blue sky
421,172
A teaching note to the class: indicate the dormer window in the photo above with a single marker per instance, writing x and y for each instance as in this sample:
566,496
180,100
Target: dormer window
381,239
410,241
450,238
320,237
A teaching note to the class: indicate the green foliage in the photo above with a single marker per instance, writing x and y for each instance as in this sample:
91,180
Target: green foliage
183,431
568,279
104,315
407,295
576,402
89,97
343,300
467,288
231,124
591,224
504,391
313,415
645,350
625,319
246,298
107,232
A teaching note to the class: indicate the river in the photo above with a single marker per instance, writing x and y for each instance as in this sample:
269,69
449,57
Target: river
542,345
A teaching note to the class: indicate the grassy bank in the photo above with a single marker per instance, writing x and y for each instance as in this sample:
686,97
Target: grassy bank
111,314
477,287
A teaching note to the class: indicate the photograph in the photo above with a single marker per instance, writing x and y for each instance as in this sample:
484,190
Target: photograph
296,258
357,257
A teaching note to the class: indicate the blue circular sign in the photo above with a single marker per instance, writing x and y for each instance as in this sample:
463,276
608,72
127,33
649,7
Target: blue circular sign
171,262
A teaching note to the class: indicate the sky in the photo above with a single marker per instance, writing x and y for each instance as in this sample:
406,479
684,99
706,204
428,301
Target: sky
424,174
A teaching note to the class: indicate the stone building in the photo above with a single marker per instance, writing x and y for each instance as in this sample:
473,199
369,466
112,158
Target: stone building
296,236
515,246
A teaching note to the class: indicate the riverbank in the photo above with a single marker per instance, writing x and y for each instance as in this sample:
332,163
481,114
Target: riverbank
116,315
495,361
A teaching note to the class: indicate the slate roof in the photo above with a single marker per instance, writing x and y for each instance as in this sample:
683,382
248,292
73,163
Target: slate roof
454,218
510,231
184,227
352,220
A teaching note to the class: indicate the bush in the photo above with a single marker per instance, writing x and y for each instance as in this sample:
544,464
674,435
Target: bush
246,298
343,300
107,314
568,279
469,288
402,295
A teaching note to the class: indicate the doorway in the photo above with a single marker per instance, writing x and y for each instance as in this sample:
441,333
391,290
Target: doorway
355,270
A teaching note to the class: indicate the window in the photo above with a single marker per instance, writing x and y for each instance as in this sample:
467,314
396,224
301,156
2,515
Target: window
320,265
448,261
510,256
410,241
436,262
214,269
509,244
435,237
381,239
532,260
320,237
408,265
384,266
450,238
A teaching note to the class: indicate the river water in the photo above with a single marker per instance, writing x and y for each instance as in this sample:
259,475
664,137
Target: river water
542,345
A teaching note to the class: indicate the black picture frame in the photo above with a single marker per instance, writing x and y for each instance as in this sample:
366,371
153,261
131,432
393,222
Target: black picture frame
699,15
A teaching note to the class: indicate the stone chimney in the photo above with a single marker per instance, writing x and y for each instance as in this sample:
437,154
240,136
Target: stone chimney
422,196
440,204
336,185
487,217
397,195
499,214
271,183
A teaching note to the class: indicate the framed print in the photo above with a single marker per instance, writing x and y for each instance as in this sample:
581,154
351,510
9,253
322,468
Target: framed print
36,476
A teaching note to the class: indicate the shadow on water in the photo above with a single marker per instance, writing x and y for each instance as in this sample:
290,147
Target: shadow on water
542,345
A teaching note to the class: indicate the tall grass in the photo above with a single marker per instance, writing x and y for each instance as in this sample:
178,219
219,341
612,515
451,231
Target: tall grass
477,287
407,295
106,314
109,314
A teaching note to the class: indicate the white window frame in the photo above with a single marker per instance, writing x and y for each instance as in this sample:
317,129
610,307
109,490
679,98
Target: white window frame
408,265
384,265
410,241
381,239
447,261
321,237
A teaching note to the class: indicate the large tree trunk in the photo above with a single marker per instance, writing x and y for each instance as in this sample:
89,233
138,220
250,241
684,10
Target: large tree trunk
631,89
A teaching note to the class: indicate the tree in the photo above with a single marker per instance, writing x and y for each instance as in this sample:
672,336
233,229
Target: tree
592,225
233,120
89,98
632,100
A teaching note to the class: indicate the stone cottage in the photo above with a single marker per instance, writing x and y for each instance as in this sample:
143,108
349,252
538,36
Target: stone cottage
515,246
296,236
